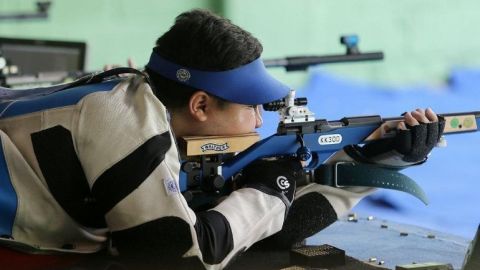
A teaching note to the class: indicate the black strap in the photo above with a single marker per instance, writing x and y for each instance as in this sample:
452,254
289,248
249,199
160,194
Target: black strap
100,77
345,174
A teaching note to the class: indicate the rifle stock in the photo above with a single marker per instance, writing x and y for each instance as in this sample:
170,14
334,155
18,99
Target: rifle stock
322,137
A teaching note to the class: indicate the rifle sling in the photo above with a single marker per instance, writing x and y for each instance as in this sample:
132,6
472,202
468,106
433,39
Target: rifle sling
346,174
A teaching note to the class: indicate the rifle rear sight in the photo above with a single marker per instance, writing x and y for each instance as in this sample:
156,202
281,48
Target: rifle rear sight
280,103
291,109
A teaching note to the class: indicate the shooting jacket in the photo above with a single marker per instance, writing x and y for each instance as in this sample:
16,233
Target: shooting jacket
99,162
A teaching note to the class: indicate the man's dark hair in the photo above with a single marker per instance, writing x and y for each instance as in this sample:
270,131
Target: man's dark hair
202,40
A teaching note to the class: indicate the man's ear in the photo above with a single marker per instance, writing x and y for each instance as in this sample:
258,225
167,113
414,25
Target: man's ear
198,105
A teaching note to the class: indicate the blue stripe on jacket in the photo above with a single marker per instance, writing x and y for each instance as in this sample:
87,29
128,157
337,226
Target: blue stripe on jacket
8,198
57,99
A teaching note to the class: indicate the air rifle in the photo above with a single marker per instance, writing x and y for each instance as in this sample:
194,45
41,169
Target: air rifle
213,163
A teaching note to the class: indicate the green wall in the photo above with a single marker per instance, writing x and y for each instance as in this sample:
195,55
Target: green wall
113,29
422,39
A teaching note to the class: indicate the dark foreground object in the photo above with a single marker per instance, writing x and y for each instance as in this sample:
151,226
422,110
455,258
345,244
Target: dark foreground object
307,257
369,244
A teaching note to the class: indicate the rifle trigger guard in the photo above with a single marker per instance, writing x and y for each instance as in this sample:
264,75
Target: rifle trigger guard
314,163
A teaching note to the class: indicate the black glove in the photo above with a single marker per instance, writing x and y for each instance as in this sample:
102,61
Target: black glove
412,144
273,176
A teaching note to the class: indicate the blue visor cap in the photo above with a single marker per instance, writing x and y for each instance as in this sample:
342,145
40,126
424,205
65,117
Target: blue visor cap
249,84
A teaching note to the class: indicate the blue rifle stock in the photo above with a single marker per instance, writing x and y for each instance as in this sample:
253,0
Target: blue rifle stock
301,136
347,131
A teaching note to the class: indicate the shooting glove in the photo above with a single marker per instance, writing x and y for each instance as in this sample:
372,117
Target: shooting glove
275,177
408,147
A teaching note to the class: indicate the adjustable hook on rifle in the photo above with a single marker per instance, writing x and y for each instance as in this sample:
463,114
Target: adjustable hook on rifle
303,153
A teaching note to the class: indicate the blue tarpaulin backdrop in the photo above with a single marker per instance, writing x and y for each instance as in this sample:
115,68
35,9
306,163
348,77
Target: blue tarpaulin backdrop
450,177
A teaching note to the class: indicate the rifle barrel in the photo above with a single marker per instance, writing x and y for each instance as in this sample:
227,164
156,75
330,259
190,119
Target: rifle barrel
303,62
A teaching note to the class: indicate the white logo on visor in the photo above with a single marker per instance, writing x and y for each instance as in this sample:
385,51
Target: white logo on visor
183,75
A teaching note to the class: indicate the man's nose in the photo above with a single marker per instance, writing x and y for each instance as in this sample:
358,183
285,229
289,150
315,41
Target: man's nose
258,116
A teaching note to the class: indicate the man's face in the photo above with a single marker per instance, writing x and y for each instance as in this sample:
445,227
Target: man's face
206,115
233,119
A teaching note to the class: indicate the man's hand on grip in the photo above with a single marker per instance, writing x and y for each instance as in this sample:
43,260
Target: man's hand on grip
416,136
279,175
